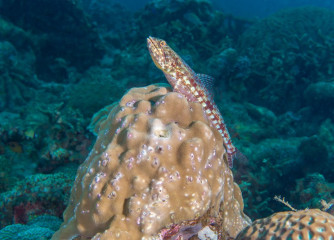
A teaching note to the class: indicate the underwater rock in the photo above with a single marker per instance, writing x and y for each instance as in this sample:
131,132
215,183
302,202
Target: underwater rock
326,134
60,30
261,114
46,221
315,156
292,124
167,11
157,169
17,62
288,51
313,151
320,95
231,68
8,55
311,190
36,195
273,166
184,22
96,89
112,19
40,138
41,227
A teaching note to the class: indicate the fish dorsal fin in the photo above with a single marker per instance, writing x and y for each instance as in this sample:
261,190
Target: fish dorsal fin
188,67
207,82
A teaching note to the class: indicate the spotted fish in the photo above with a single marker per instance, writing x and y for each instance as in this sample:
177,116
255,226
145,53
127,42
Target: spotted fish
195,87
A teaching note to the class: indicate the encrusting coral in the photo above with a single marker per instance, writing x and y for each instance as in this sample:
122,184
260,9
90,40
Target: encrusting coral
305,224
156,166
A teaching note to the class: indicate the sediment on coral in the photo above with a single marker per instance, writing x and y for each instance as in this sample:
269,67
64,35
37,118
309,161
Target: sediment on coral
156,164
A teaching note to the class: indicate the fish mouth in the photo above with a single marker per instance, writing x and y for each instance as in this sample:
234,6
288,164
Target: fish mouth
150,39
153,49
151,42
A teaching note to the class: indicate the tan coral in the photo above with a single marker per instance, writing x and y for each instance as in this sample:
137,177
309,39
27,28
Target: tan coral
306,224
156,162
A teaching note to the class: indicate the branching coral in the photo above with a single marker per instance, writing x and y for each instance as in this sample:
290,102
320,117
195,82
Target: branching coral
156,165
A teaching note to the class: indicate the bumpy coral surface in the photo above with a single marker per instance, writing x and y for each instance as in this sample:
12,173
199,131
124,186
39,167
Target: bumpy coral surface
156,163
306,224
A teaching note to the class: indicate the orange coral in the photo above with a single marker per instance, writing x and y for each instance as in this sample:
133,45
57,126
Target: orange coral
156,162
306,224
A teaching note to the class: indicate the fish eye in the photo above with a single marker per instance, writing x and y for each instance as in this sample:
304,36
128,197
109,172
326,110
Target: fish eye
162,43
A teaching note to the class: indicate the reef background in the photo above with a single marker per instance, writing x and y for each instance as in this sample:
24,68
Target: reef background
62,61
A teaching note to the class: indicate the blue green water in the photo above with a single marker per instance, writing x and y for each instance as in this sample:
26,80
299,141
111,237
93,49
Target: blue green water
62,61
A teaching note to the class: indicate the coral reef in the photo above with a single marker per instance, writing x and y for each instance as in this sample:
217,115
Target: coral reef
36,195
289,52
179,22
311,190
272,171
17,59
41,228
306,224
320,94
156,164
61,61
43,51
61,32
39,139
95,82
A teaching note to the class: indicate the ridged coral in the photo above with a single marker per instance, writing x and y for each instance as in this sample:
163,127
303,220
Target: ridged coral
156,162
306,224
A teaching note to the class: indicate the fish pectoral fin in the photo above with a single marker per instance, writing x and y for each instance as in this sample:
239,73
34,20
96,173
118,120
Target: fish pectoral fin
206,81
